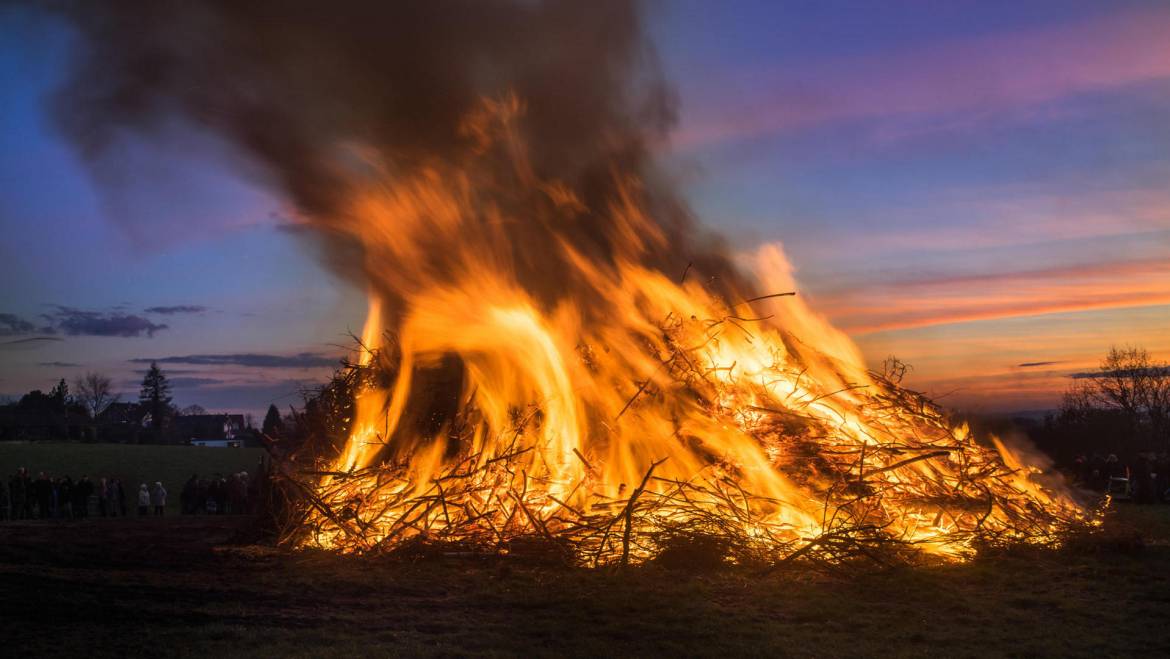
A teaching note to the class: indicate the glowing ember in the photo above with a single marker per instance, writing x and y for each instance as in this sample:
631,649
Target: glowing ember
629,409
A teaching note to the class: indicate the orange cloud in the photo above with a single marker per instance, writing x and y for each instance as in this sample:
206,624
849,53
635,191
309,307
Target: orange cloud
979,365
957,299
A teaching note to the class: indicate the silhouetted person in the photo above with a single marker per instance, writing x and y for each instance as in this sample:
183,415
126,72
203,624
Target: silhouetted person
202,496
1113,468
1098,480
221,495
1081,470
65,498
81,493
103,497
18,494
237,494
43,493
54,483
1142,481
113,488
143,500
217,495
188,498
245,490
120,492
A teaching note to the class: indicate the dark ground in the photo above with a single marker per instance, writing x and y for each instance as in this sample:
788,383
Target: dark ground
170,587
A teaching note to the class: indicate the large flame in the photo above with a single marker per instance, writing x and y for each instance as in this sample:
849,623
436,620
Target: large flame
537,364
631,402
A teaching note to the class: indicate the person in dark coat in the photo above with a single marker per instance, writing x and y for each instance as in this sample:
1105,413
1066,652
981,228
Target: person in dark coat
64,507
112,496
43,493
1098,479
221,498
1139,481
1163,478
18,494
103,496
212,500
121,494
202,496
189,496
217,495
81,493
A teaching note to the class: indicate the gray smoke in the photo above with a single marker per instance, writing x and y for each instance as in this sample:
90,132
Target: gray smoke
286,81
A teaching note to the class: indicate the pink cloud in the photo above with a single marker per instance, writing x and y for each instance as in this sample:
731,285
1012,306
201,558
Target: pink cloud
990,217
960,299
971,77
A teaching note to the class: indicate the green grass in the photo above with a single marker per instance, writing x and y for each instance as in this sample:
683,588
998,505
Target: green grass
132,463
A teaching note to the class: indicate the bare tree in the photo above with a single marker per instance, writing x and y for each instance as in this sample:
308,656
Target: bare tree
192,410
1130,384
95,392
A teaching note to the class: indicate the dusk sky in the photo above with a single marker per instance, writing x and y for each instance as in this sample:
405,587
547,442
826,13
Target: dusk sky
980,188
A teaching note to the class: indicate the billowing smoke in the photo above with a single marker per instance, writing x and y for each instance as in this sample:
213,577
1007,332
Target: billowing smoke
323,97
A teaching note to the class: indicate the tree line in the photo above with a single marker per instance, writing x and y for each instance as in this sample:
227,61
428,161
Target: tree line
94,405
1122,407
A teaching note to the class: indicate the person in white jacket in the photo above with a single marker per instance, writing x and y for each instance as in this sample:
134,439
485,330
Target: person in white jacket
158,498
143,500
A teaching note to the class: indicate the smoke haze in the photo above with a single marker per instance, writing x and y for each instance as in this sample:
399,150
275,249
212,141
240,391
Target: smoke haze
322,99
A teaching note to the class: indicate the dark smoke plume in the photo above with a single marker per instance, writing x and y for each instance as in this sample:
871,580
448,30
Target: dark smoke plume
289,82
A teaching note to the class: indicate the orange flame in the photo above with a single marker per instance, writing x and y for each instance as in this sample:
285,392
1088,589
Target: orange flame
758,414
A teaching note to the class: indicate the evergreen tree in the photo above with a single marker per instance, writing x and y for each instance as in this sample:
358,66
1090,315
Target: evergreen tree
272,423
61,401
60,394
155,398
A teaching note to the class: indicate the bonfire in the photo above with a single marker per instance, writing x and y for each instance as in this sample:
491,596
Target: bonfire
511,393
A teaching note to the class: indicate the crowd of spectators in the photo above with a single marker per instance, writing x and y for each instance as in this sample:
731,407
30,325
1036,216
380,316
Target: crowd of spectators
44,497
1144,479
24,497
233,495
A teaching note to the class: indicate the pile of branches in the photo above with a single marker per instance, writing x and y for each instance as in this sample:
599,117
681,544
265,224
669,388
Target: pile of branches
486,503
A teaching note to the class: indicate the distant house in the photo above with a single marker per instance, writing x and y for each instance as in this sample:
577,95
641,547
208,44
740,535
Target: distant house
217,443
190,428
121,422
122,413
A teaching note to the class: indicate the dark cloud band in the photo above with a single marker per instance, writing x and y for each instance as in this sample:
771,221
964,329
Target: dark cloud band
249,360
76,322
178,308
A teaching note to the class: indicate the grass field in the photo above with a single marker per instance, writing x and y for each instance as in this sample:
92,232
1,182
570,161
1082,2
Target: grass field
132,463
170,587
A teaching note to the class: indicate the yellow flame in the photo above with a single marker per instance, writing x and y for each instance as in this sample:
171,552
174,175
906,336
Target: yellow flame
579,397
